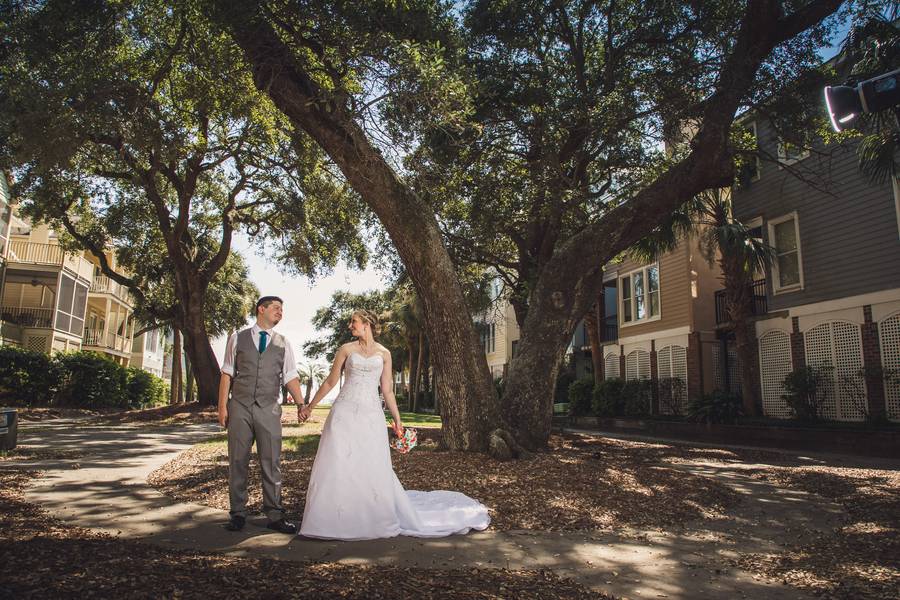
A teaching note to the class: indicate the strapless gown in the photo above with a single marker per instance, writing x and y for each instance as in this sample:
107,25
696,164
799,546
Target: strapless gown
353,491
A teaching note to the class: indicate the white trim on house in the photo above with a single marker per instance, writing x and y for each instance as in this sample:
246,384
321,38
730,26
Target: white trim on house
770,226
872,299
847,315
784,161
644,270
655,335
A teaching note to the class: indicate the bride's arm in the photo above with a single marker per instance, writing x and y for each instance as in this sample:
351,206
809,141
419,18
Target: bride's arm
387,390
333,377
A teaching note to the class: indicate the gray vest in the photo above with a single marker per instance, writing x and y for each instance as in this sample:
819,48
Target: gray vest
257,377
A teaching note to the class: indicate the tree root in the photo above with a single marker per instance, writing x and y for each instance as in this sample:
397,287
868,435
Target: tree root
503,446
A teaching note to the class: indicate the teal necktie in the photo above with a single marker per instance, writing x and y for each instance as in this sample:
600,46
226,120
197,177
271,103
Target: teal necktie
262,341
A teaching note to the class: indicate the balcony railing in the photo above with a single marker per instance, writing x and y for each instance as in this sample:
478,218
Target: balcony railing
609,330
760,304
104,285
32,252
27,317
110,341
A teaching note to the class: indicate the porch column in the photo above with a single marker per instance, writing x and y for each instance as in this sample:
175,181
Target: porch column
104,341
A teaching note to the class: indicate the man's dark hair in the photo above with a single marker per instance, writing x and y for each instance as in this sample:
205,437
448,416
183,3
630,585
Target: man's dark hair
265,301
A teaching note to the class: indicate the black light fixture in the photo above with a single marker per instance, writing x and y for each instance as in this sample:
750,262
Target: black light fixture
846,103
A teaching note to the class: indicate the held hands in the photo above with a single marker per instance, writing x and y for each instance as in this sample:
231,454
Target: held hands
303,414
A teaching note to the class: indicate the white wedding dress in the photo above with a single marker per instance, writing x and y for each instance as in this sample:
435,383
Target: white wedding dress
353,491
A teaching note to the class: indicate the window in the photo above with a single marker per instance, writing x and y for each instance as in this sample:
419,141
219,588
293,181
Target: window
640,295
71,305
789,152
152,339
787,269
750,167
755,227
489,337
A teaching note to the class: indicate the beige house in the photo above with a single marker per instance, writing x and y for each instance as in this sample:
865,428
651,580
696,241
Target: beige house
499,336
53,300
665,320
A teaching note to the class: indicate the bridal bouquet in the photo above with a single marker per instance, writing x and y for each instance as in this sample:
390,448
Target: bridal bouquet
407,442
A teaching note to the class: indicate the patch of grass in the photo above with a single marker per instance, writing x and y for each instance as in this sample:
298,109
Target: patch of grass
301,444
216,440
411,419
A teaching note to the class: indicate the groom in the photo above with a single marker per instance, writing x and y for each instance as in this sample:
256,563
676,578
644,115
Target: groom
258,362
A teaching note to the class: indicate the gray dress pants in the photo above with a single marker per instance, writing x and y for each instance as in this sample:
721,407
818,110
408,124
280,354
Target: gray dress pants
246,424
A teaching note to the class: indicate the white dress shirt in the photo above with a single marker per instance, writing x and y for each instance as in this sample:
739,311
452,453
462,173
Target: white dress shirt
288,370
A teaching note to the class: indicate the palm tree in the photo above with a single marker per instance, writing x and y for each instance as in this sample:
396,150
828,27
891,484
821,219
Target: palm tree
310,373
407,322
872,48
740,255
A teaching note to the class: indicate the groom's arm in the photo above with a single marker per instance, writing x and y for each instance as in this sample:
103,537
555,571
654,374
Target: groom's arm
224,389
293,386
225,379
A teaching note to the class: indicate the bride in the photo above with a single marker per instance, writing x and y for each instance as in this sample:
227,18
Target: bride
353,491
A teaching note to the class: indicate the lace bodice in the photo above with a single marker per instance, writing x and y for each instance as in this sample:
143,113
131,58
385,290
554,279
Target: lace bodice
362,376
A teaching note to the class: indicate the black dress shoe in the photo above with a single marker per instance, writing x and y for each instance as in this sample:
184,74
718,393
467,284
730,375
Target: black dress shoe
282,526
236,523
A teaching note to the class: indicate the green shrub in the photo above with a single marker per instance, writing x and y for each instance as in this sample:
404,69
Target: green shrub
90,380
563,381
145,389
715,407
636,396
27,378
607,398
580,392
672,391
804,391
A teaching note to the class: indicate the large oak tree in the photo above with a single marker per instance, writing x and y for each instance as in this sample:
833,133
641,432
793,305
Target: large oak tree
583,84
128,117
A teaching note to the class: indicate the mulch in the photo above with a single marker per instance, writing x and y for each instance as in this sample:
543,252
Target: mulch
43,558
860,559
36,414
170,414
581,483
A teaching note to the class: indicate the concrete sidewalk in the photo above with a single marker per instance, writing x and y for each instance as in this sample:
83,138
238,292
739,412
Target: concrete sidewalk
104,488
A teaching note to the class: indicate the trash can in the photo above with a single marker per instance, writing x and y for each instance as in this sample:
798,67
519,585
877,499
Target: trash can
9,428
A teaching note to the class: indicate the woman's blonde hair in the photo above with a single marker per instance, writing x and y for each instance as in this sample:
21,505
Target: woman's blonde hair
369,317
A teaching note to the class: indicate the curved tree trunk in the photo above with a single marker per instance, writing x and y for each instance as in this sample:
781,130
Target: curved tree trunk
203,360
470,407
592,324
417,377
188,380
739,309
175,383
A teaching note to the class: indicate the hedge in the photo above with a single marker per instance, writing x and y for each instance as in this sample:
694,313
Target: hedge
75,379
